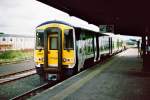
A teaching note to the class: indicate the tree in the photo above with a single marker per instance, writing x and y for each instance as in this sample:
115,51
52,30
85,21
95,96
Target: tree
1,33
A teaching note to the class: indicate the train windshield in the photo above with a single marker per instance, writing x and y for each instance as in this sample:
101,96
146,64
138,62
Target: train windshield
68,39
40,40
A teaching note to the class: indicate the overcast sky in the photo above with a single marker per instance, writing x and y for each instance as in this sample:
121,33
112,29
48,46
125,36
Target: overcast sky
22,16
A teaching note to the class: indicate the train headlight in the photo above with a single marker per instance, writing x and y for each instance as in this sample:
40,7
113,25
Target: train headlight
41,59
70,65
67,60
38,59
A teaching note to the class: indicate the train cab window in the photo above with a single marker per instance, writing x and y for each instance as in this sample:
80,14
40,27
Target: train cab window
53,43
68,39
39,40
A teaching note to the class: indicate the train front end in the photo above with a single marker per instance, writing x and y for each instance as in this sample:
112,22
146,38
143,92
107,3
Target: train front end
55,50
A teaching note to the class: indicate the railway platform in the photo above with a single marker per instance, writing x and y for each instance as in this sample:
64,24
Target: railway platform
119,78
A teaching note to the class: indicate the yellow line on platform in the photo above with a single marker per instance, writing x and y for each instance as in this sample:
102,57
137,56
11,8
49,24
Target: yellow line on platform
74,87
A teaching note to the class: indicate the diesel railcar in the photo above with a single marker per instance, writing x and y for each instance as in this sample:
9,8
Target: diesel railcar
63,49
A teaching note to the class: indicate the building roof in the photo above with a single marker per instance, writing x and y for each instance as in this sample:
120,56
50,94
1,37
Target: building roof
15,35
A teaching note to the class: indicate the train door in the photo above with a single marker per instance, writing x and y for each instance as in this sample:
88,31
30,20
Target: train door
54,53
53,50
81,52
95,49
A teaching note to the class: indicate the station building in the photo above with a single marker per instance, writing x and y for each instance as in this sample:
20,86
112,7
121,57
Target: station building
16,42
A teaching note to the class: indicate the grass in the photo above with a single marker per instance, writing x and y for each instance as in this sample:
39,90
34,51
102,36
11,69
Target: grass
11,56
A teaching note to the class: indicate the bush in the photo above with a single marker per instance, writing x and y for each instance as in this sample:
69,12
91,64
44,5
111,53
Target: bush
10,54
15,55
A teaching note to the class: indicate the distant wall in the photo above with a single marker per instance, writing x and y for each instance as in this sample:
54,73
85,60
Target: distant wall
16,43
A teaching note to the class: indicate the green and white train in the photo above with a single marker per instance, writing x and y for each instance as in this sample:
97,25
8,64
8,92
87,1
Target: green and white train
64,49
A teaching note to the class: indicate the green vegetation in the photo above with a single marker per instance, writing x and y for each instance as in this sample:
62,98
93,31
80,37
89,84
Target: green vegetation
1,33
11,56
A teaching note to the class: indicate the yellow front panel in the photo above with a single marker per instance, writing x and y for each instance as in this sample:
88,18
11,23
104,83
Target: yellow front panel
53,58
68,56
39,56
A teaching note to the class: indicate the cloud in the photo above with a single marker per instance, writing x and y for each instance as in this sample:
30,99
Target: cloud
22,16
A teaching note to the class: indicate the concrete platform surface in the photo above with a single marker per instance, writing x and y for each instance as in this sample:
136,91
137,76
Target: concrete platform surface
120,78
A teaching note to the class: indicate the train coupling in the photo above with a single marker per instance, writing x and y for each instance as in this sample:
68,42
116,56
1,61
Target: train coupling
52,77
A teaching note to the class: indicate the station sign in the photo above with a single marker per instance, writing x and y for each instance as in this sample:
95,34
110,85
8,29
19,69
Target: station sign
102,28
106,28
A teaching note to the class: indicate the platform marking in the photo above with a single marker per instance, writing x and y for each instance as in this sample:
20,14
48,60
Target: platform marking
74,87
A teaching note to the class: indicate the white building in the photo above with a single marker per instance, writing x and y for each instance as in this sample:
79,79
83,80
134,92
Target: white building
16,42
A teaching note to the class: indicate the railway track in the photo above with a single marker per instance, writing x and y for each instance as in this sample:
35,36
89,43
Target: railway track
34,91
43,87
15,76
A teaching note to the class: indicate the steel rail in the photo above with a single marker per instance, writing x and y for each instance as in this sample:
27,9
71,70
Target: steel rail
16,76
34,91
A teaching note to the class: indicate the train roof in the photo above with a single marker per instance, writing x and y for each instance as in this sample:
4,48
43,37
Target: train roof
65,23
62,22
55,21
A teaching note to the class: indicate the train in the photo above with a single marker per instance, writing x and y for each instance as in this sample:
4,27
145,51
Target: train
64,49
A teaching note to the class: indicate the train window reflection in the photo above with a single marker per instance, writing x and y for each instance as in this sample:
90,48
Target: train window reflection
68,39
53,43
